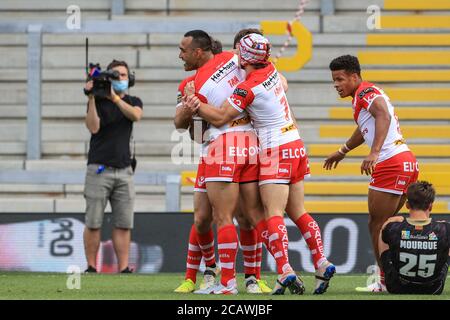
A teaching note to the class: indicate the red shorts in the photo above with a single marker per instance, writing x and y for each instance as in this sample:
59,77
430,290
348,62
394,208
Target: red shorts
233,157
286,164
395,174
200,185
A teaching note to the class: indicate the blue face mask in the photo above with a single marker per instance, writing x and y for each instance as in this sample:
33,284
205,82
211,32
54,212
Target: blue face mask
120,85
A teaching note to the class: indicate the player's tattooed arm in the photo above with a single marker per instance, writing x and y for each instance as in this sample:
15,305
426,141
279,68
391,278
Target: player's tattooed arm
215,116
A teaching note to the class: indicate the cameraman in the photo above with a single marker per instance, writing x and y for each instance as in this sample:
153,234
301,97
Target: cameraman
109,172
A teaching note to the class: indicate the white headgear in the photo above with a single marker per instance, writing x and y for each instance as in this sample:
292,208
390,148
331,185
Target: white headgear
254,49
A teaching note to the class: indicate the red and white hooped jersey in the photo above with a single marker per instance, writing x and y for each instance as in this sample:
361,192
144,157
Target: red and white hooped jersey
263,97
365,95
214,83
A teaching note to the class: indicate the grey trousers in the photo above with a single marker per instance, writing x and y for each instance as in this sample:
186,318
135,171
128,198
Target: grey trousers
115,185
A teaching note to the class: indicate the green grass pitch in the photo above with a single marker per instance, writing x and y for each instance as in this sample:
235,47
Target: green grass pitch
23,285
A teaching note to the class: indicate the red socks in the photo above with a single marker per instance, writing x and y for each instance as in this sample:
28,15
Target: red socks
249,246
194,256
263,238
206,243
278,243
311,233
227,240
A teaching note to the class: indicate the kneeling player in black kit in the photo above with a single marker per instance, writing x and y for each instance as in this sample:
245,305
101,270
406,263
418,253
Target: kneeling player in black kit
414,251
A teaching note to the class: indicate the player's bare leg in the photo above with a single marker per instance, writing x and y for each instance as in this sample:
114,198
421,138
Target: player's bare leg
382,205
252,214
224,197
274,198
310,231
203,219
249,245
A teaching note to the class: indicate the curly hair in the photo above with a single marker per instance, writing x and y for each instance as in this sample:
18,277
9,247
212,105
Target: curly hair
348,63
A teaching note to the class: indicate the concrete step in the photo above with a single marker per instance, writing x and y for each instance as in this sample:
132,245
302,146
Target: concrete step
357,23
164,131
420,150
53,5
65,57
301,94
43,17
307,75
425,114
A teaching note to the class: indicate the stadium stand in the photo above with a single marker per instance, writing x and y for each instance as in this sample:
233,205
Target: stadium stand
409,57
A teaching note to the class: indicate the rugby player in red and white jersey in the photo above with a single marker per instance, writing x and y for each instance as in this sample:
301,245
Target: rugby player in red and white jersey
284,163
392,166
214,81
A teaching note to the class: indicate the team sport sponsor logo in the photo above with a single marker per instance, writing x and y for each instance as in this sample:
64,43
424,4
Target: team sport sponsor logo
284,171
432,236
179,97
226,169
406,234
410,167
222,72
365,91
402,182
271,82
240,92
239,122
201,181
237,102
369,99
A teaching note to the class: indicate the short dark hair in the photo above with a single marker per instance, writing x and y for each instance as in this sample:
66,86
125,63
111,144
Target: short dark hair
117,63
243,33
348,63
216,46
420,195
200,39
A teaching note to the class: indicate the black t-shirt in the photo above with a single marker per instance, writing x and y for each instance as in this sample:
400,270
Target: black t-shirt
418,251
110,146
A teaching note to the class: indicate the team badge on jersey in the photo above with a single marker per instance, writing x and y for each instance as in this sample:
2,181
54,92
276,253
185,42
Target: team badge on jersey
432,237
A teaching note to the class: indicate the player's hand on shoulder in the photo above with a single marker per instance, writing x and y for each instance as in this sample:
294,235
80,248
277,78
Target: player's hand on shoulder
189,89
332,160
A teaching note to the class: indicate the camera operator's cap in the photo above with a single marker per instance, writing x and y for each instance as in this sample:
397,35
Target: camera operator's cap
254,49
